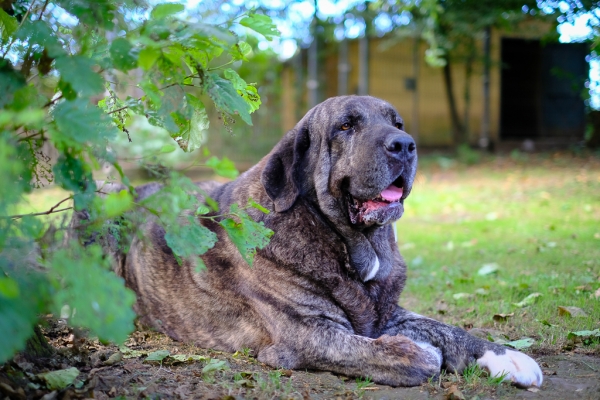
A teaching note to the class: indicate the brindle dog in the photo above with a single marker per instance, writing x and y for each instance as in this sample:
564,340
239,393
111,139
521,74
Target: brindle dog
324,293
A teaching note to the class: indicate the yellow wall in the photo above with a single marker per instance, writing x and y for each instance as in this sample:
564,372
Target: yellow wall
391,62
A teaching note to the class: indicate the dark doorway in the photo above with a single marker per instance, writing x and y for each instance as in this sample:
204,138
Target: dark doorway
541,87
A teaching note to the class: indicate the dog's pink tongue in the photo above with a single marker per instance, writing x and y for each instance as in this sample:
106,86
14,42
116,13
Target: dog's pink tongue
392,193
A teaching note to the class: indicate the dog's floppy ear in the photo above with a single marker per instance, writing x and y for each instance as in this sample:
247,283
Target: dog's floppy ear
281,176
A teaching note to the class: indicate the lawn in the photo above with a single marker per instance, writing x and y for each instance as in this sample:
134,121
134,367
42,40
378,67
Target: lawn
479,239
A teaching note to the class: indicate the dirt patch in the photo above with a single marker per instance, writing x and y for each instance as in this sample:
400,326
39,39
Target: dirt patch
113,372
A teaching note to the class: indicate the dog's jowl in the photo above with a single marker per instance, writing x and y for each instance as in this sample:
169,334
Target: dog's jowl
324,293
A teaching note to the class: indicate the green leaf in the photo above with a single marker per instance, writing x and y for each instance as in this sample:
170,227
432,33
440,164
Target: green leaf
215,365
226,98
158,355
240,51
130,353
148,57
224,167
527,301
106,308
123,55
115,204
187,357
166,9
248,92
168,148
190,239
202,210
193,134
260,208
17,316
8,288
75,175
586,337
77,71
247,235
8,25
10,82
57,380
38,32
81,122
261,24
93,13
521,343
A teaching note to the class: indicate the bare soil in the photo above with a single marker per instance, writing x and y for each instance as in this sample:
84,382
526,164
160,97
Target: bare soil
109,372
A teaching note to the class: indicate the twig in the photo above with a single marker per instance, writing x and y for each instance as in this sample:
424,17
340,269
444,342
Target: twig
50,211
48,104
118,109
29,137
21,24
43,9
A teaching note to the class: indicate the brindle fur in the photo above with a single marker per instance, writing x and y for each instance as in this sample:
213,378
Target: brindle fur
305,302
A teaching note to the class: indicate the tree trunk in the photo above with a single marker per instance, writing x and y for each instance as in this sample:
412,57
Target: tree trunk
37,345
467,92
484,139
457,127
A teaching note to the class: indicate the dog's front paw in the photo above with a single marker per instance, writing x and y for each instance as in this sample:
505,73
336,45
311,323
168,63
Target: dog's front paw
517,367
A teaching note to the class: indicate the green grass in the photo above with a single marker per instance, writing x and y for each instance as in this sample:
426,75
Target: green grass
538,220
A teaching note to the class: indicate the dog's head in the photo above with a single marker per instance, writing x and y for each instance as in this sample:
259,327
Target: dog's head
350,156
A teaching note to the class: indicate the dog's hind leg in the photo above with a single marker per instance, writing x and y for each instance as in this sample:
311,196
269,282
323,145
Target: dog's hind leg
319,344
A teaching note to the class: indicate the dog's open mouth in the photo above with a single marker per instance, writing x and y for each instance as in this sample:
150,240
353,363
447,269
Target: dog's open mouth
385,207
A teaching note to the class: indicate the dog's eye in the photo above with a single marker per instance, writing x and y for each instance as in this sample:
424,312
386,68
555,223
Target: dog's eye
345,126
398,125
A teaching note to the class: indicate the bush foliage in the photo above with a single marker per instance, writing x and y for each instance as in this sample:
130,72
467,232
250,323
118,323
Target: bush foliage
58,66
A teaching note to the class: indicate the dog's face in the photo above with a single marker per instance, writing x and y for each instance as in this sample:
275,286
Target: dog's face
351,156
372,161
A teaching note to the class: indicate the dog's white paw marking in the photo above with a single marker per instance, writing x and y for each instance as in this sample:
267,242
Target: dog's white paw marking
434,351
516,366
373,271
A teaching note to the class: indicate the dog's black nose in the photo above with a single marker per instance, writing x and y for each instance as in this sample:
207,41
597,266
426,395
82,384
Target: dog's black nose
400,145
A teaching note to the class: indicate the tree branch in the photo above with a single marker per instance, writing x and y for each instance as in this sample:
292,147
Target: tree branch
50,211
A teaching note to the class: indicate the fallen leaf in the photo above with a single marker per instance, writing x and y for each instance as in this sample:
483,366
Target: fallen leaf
57,380
521,343
488,269
585,337
215,365
458,296
502,317
527,301
442,307
157,355
114,358
548,372
533,389
188,357
584,288
130,353
571,311
481,292
453,393
597,293
597,235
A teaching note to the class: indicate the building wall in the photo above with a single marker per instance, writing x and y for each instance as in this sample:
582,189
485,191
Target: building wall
391,63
